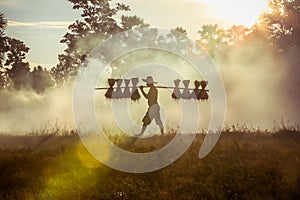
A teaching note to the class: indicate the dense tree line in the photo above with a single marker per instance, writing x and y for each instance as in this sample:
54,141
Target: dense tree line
14,70
279,29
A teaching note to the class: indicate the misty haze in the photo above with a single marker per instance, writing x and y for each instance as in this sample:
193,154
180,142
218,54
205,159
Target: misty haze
51,149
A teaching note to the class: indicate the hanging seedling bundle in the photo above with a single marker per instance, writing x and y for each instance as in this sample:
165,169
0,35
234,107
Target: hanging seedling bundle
128,88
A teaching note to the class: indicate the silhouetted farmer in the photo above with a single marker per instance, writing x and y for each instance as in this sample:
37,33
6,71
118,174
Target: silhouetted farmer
153,110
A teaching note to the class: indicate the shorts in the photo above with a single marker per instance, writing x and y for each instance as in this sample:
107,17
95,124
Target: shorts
153,112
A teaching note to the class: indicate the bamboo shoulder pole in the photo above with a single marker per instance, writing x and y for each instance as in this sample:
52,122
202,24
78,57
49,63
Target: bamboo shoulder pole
159,87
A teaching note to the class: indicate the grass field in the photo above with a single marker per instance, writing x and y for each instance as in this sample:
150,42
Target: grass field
243,165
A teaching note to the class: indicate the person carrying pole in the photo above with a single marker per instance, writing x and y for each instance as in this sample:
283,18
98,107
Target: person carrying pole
153,111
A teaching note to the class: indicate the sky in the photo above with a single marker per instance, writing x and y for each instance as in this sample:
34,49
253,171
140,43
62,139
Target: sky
41,24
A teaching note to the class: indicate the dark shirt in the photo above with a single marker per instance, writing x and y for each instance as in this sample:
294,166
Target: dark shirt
152,96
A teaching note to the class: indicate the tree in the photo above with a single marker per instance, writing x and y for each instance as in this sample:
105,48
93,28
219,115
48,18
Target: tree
236,35
99,22
13,70
283,24
16,51
131,22
179,34
3,49
19,74
12,54
3,22
178,40
212,39
16,69
41,79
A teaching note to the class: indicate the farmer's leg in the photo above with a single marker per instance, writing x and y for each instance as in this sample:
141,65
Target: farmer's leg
143,129
160,124
155,113
146,121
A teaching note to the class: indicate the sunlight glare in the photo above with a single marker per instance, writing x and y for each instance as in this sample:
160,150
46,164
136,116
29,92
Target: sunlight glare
239,12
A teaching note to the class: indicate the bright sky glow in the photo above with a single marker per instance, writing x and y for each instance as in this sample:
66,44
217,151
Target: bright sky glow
243,12
41,24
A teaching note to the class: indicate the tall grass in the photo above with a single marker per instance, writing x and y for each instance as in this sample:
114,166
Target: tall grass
245,164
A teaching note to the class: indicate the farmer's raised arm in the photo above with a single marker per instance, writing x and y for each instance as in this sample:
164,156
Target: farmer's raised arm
143,92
